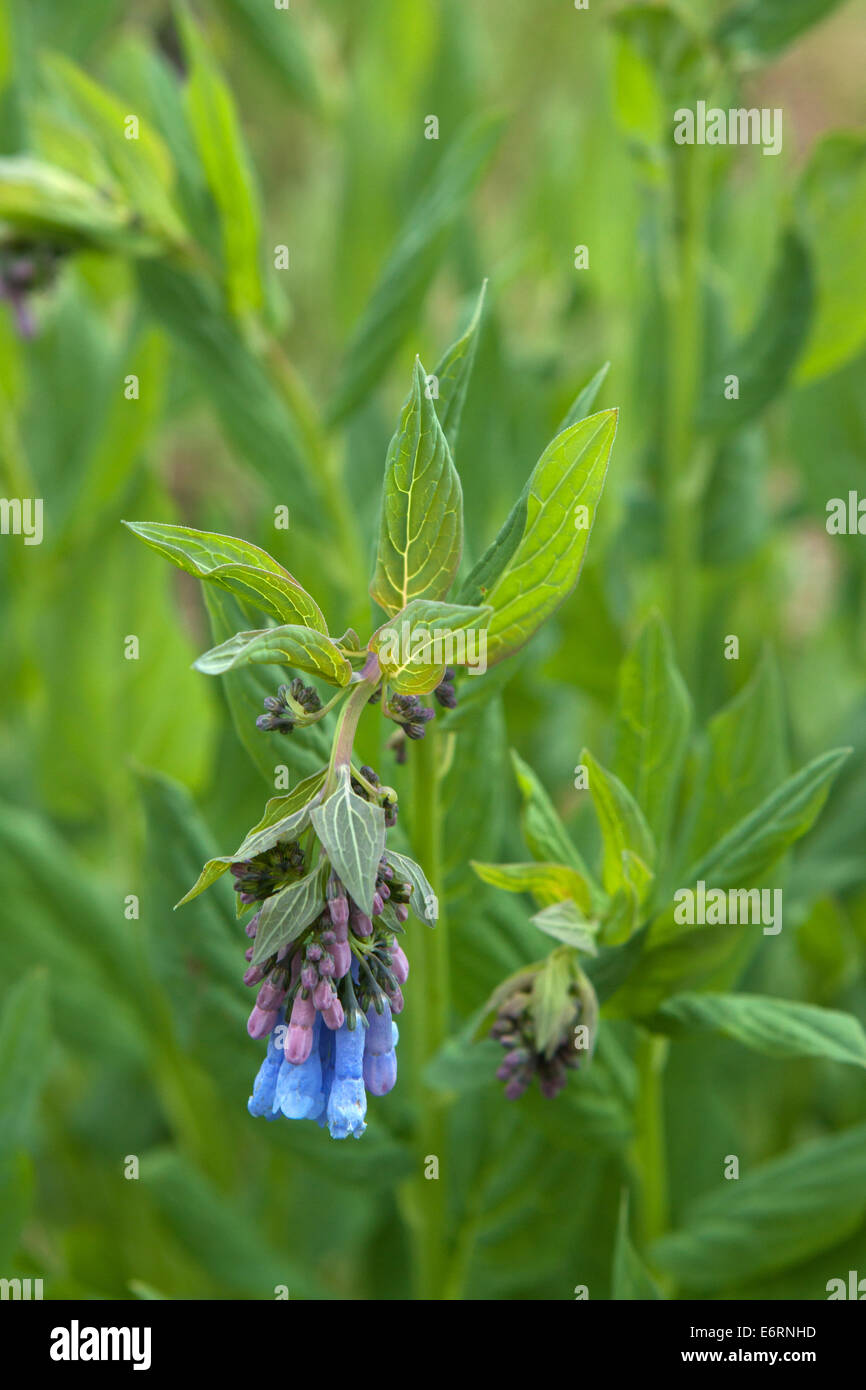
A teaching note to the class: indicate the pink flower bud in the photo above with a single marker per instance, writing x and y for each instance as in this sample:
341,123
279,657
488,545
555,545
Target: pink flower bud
261,1022
309,976
334,1016
271,995
396,1001
252,925
399,964
248,954
299,1044
401,912
361,924
378,904
323,995
342,959
253,975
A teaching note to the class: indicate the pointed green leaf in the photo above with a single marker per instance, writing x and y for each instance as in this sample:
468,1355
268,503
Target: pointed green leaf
52,203
623,824
416,645
452,375
287,914
246,571
762,837
421,527
776,1027
832,206
652,726
423,900
585,399
394,305
284,818
776,1216
543,831
764,360
299,647
565,922
352,831
548,883
564,492
761,28
222,151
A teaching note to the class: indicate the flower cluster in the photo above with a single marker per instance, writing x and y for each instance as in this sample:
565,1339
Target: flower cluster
516,1029
262,876
288,706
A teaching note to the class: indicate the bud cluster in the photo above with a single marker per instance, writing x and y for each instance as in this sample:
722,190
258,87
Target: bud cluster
290,704
514,1029
263,875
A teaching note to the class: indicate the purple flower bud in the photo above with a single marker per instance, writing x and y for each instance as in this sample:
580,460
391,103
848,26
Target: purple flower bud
261,1021
361,924
396,1001
271,995
378,904
399,964
401,912
252,925
299,1038
309,976
380,1072
314,953
334,1017
254,974
248,953
339,911
323,995
342,959
326,967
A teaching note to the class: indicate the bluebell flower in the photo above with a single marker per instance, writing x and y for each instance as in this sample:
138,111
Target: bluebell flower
380,1058
261,1102
347,1102
299,1093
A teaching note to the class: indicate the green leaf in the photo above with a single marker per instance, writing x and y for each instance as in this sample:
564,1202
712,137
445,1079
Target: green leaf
396,301
623,824
452,374
284,818
143,167
423,900
652,726
627,910
832,207
221,148
585,399
770,1219
545,566
544,833
552,1005
278,42
762,837
243,569
352,831
548,883
760,28
630,1278
287,914
764,360
564,922
414,657
743,760
776,1027
421,526
299,647
487,570
24,1055
254,414
52,203
245,690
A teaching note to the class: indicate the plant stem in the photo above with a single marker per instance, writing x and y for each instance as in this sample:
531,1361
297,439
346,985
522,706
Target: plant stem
430,1003
681,485
649,1144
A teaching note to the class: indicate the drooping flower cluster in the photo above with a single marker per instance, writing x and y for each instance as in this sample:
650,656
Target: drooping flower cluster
290,703
527,1056
325,1003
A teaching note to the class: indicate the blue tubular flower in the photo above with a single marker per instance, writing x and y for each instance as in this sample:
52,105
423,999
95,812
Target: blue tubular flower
347,1102
380,1059
261,1102
298,1091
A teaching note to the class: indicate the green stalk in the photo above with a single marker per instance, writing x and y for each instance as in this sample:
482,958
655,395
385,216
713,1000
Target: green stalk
648,1150
430,1007
681,481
